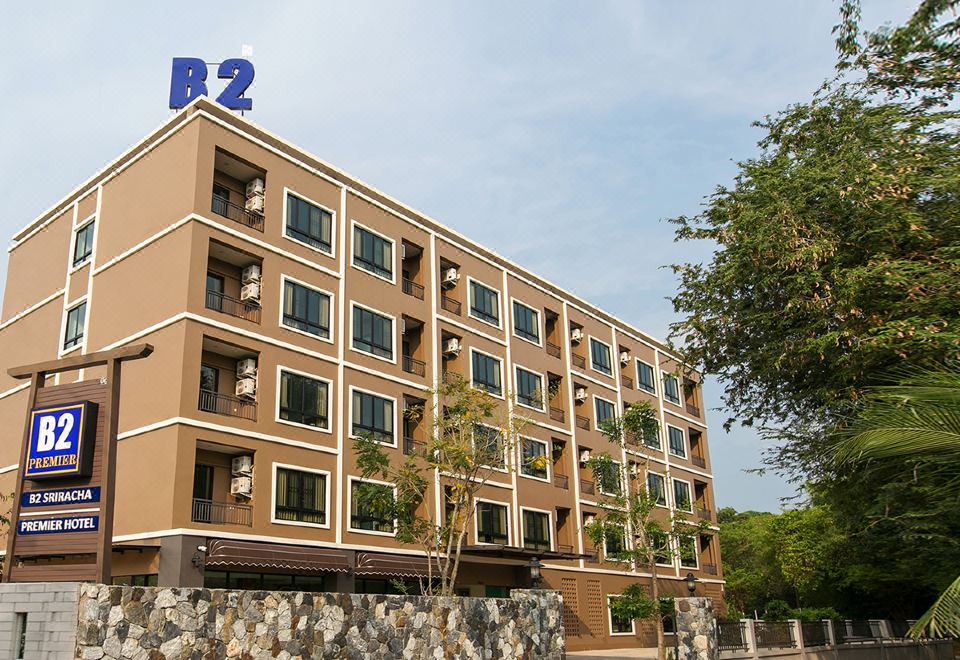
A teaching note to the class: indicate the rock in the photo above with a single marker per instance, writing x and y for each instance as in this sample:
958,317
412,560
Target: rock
172,648
166,598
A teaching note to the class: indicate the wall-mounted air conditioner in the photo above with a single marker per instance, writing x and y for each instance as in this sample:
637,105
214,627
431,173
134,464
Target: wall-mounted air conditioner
576,335
450,278
241,487
580,394
254,204
255,187
247,368
589,518
247,388
241,466
250,293
584,455
624,358
251,274
451,346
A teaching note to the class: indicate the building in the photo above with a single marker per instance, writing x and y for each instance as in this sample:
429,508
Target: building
292,305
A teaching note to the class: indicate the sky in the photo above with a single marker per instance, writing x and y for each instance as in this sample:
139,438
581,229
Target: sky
562,135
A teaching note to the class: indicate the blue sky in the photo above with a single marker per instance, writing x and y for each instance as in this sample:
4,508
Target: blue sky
559,134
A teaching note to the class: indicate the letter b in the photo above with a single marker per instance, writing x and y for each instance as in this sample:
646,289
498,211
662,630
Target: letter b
45,437
187,81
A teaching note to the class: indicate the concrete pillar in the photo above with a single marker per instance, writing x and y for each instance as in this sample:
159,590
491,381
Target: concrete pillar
176,561
696,629
797,628
831,636
750,632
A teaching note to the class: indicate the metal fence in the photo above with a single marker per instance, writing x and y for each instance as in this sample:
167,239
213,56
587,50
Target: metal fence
774,635
815,633
732,636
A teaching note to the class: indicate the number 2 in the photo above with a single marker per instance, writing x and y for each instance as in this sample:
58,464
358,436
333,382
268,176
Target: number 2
66,423
241,71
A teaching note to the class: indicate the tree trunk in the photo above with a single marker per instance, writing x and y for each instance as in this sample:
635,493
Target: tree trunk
658,620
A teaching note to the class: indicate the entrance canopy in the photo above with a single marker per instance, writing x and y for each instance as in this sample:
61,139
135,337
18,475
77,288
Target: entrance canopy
245,554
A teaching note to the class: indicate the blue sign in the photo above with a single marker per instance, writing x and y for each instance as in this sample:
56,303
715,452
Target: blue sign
61,441
60,496
188,80
62,525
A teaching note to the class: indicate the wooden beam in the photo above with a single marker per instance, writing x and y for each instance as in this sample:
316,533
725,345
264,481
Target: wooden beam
134,352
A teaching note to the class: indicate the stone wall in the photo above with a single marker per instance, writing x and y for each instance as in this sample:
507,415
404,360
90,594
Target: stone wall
48,612
696,629
155,623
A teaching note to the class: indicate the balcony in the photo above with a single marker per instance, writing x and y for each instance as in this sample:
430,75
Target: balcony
414,366
411,446
236,213
698,461
556,414
221,513
578,361
411,288
227,404
561,481
704,514
626,381
450,305
564,548
693,410
220,302
553,349
587,487
583,422
709,569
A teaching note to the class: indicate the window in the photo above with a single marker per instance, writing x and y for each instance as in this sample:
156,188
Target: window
608,478
536,530
209,378
83,244
73,334
645,377
215,292
488,446
535,461
688,551
526,322
308,223
301,496
681,495
529,389
485,370
676,443
657,488
371,506
372,252
492,523
372,333
303,400
605,410
660,543
203,491
671,389
306,310
614,542
484,303
600,357
372,415
618,625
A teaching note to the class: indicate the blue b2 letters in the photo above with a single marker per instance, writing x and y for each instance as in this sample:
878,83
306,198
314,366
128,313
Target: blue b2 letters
188,80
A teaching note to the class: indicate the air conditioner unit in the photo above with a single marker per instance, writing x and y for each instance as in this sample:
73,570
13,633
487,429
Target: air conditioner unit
450,278
255,187
624,358
241,466
254,203
576,335
241,487
403,251
403,326
589,518
247,387
634,469
584,455
580,394
251,274
250,293
451,346
247,368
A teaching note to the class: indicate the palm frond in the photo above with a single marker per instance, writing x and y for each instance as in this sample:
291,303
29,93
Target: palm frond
943,619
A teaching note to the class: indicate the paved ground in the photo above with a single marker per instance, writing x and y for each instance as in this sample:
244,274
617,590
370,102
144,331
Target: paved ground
613,654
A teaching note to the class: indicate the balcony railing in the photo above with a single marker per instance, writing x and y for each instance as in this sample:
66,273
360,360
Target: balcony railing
561,481
553,349
220,302
704,514
410,445
412,289
698,461
709,569
221,513
564,548
594,557
626,381
578,361
693,410
226,404
583,422
236,213
556,414
587,487
414,366
450,305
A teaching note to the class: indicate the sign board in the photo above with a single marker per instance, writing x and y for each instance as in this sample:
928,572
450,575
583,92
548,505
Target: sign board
60,524
61,441
60,496
188,80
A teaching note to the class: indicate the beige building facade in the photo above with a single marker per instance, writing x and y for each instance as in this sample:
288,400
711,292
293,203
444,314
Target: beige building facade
291,307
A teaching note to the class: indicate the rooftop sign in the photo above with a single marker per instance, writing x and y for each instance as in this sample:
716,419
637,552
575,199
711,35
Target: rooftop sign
188,81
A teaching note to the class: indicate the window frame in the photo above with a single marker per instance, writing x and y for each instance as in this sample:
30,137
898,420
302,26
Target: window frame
653,377
393,333
476,521
354,224
667,377
273,501
695,538
350,413
470,282
502,447
590,341
473,350
333,223
663,481
543,392
669,550
633,622
673,494
329,427
349,512
82,340
284,278
619,470
550,528
606,554
546,452
77,263
513,321
683,438
596,417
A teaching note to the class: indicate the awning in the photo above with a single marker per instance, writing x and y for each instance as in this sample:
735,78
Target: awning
377,563
249,554
513,552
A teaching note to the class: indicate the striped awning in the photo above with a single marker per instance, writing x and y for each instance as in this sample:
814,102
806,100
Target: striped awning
249,554
379,563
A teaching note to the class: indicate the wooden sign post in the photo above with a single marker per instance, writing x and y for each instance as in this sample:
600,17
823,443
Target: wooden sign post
63,502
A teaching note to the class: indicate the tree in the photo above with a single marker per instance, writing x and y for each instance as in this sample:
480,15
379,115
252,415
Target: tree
472,437
629,520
